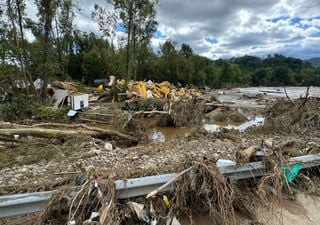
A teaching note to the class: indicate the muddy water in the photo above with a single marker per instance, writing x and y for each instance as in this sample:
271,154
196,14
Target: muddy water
162,134
257,121
235,96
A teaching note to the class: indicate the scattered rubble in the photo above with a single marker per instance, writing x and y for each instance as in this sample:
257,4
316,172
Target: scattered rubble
47,156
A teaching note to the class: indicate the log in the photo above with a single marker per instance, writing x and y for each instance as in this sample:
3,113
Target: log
54,133
38,132
246,155
93,121
100,131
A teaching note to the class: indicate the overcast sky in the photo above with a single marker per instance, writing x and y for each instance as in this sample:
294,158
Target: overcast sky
227,28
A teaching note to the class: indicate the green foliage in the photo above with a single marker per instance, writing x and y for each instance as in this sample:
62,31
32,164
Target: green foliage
49,114
20,109
23,108
60,51
315,62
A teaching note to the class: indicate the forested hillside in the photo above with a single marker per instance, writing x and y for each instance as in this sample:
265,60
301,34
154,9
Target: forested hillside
315,61
59,50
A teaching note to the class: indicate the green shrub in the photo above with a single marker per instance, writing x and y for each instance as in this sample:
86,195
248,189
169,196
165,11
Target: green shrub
49,114
22,108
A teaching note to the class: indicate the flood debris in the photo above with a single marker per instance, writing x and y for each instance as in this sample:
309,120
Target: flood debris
227,115
200,188
119,90
182,114
301,117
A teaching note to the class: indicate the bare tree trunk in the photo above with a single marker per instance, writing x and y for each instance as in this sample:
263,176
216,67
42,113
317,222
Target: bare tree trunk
23,49
47,30
58,45
11,16
129,38
134,57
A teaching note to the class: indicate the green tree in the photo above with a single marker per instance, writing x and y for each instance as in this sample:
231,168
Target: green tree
138,19
186,51
46,12
226,73
13,16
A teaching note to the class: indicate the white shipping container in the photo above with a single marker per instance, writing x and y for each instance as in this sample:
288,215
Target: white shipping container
78,102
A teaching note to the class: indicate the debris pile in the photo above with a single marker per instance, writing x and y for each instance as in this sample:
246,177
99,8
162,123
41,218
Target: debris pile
199,189
147,90
298,116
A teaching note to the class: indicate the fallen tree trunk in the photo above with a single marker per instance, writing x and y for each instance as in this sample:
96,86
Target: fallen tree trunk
55,133
102,132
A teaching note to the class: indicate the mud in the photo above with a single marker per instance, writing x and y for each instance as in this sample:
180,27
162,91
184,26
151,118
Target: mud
304,210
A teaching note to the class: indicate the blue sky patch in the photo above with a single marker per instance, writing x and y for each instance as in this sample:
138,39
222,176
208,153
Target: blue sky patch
295,20
159,35
120,27
212,40
297,45
316,34
275,20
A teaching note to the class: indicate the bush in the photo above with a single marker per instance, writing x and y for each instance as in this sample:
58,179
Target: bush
44,113
22,108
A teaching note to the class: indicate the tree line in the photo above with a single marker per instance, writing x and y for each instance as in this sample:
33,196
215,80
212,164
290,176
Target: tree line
59,50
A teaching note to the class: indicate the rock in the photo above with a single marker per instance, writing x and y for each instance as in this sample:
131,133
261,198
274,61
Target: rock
145,157
19,158
108,146
94,151
43,162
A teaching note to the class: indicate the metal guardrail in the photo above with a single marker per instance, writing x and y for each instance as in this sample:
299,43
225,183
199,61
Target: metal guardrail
20,204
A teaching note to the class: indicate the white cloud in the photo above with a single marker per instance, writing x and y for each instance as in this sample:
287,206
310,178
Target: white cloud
241,26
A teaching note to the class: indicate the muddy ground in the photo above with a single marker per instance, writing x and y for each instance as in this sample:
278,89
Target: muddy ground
38,164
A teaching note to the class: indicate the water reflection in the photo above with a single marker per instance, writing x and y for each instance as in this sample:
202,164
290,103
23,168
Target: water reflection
257,121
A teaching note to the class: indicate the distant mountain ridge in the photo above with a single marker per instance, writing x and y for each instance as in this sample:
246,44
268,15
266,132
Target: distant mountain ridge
315,61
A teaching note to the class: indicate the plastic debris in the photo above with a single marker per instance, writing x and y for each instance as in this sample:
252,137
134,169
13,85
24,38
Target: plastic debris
72,113
112,80
166,201
142,213
100,88
147,90
290,174
149,94
225,162
173,221
108,146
